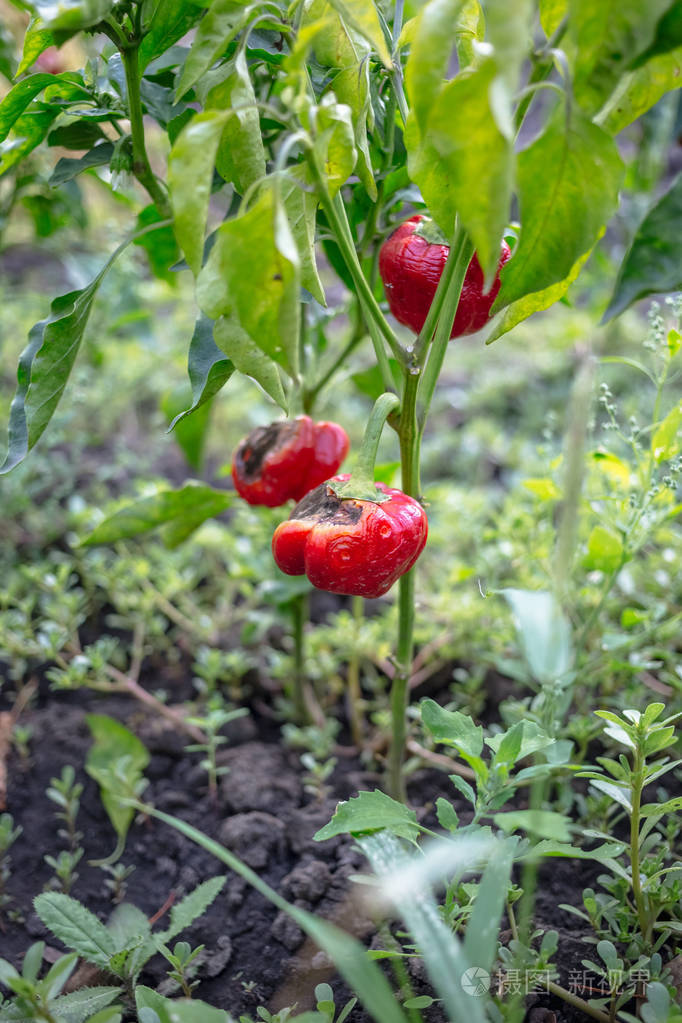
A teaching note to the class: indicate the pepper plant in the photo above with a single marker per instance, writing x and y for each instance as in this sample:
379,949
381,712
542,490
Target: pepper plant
321,124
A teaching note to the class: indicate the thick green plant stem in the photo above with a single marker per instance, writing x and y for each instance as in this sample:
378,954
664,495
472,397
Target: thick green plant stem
361,485
409,436
141,165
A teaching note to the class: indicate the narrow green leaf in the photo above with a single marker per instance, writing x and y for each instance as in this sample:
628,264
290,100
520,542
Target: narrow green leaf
464,164
668,36
544,632
544,823
207,368
246,357
170,21
300,203
189,506
190,176
241,155
614,792
362,16
58,974
81,1005
192,906
36,41
76,926
253,274
221,23
45,365
510,30
568,187
335,142
18,99
653,262
368,812
430,52
480,942
608,36
68,168
640,90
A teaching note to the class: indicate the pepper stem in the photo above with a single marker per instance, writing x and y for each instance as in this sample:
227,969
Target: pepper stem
361,485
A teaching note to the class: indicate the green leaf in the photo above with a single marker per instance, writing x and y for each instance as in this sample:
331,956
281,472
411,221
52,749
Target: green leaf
362,16
241,155
169,23
524,307
510,30
249,359
653,262
604,550
253,274
552,13
464,164
28,132
520,741
371,382
639,90
668,36
447,817
176,1010
76,926
368,812
221,23
300,203
452,728
116,760
349,956
81,1005
430,53
71,15
568,186
36,41
192,906
335,142
190,176
480,943
58,974
602,853
45,365
185,508
190,434
607,37
444,958
160,244
19,97
68,168
544,823
544,632
614,792
207,368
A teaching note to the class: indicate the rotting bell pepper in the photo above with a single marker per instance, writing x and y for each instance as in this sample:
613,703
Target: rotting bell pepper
351,546
411,265
285,460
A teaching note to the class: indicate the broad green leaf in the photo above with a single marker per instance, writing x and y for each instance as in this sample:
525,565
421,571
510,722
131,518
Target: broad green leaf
544,632
348,955
186,911
464,164
207,368
76,926
604,550
452,728
668,35
246,357
518,742
335,142
190,434
116,761
80,1006
447,817
653,262
536,301
544,823
568,188
544,488
362,16
469,29
241,156
190,176
667,438
28,131
552,13
45,364
160,245
480,942
71,15
221,23
36,41
19,97
608,36
187,508
68,168
510,30
614,792
639,90
170,21
445,959
176,1010
368,812
430,53
253,274
300,203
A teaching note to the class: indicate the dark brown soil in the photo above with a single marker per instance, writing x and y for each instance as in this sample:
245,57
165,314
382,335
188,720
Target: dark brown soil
253,954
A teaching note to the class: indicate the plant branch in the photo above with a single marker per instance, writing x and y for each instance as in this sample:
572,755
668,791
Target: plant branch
141,165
